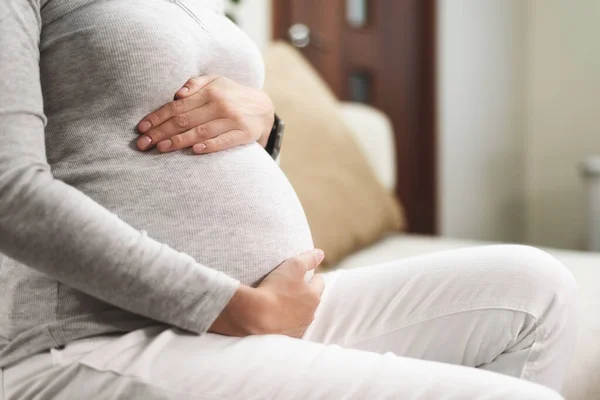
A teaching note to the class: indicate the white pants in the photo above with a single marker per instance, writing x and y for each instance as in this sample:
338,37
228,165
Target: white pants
410,329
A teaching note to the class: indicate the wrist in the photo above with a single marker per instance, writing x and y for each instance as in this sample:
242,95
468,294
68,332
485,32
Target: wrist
264,138
242,315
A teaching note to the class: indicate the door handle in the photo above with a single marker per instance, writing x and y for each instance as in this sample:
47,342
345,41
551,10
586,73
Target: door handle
299,35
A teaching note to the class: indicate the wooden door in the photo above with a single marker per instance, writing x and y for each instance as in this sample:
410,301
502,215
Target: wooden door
381,52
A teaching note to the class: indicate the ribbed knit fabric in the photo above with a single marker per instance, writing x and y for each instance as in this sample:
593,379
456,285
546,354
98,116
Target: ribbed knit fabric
97,236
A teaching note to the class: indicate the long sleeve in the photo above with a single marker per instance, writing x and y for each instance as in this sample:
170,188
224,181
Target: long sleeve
59,231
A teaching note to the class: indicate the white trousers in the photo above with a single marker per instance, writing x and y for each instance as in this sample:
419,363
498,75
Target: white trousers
462,324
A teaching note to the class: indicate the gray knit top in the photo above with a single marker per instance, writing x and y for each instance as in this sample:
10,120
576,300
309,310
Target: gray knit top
98,237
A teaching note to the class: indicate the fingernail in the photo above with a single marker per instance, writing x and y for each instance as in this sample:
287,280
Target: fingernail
199,148
320,254
144,126
144,142
164,145
183,90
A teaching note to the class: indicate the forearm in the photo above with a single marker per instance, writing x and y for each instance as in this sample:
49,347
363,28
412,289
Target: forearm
57,230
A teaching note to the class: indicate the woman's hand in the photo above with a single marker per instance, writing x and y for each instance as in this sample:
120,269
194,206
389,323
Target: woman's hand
284,303
209,114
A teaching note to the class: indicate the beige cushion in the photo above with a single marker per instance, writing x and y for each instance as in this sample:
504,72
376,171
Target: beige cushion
346,206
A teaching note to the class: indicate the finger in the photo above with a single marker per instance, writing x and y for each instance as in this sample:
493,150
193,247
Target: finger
194,85
177,125
318,283
297,267
311,259
196,135
222,142
172,109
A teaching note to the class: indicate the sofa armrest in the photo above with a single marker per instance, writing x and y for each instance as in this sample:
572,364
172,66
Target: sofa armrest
373,131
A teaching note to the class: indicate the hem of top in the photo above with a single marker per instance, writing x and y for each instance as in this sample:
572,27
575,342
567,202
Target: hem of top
45,337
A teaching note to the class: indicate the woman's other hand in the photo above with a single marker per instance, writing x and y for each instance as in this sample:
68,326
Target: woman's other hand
284,303
209,114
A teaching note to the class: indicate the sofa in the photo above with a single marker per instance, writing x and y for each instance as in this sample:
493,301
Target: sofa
340,158
373,133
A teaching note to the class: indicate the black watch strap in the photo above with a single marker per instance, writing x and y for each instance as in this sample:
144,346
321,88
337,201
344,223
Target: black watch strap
275,138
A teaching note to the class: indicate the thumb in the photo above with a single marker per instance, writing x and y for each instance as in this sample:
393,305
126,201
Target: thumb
312,259
297,267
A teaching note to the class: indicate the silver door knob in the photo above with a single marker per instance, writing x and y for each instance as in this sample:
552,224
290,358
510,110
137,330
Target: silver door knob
299,35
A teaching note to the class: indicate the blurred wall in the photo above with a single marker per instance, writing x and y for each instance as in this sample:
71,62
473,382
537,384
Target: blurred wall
254,17
563,123
481,130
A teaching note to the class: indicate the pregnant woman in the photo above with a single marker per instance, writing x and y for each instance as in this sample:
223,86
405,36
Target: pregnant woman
152,248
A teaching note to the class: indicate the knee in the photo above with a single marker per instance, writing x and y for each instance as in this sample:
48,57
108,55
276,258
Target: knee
543,272
545,280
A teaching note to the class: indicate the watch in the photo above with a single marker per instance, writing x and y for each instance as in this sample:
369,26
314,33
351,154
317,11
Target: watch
275,138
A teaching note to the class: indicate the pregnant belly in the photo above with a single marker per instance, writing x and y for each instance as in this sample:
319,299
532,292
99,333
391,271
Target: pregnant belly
233,211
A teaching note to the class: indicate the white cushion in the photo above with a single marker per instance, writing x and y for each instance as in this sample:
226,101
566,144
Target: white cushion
373,131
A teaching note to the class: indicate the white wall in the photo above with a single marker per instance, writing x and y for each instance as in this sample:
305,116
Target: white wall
481,121
519,110
563,121
254,17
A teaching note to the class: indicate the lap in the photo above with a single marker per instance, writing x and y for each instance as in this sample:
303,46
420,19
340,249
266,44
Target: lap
361,302
160,363
336,359
480,307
